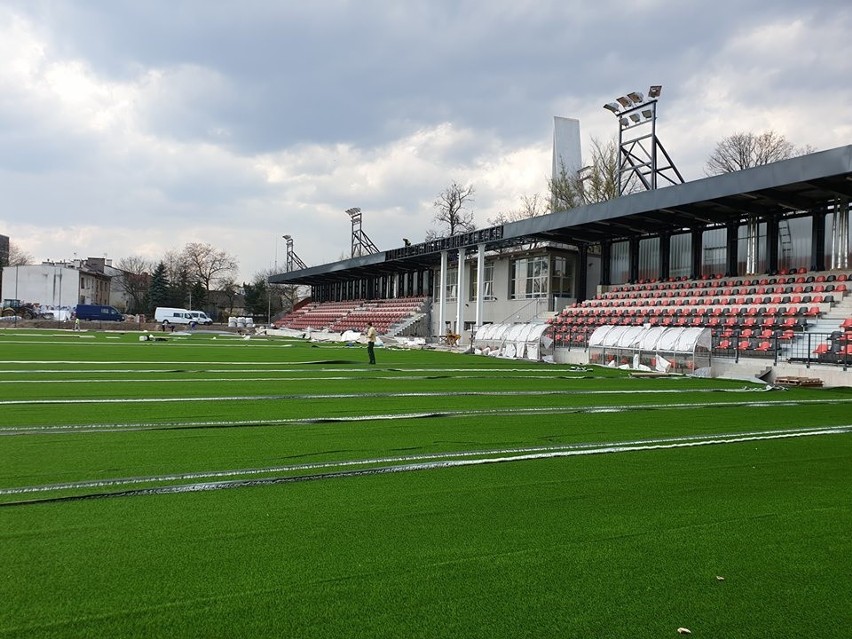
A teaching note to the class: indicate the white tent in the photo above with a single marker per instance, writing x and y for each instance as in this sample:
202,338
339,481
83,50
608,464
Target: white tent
515,341
660,348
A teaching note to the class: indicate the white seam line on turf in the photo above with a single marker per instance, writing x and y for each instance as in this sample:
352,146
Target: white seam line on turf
235,398
503,412
444,461
301,378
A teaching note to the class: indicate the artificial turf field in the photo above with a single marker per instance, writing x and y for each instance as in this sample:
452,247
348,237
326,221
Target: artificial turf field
211,486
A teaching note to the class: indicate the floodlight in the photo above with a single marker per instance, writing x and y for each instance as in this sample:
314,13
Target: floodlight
634,117
655,90
637,97
286,237
647,113
624,121
624,102
611,106
353,211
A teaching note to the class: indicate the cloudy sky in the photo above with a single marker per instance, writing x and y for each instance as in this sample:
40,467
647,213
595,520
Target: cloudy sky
131,127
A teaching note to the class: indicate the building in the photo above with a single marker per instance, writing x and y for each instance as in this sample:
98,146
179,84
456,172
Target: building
56,284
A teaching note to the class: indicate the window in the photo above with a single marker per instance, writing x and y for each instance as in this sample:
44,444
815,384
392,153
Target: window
528,277
452,284
487,284
562,276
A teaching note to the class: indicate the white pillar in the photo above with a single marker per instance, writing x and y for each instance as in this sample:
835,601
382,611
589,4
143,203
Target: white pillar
460,295
480,284
752,246
442,294
840,235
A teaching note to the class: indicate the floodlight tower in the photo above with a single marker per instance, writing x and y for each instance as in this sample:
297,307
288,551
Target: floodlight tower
639,149
361,244
291,259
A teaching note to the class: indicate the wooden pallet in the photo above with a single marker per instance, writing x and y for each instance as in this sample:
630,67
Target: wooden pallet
798,381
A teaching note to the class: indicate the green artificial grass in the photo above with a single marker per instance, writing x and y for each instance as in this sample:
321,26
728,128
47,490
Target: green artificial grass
617,543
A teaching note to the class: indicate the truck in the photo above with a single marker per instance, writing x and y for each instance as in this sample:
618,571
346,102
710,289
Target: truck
98,313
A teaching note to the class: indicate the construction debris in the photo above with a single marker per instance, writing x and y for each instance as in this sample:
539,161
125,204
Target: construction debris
792,380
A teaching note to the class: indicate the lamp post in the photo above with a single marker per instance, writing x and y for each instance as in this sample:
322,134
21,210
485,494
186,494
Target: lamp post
641,151
269,284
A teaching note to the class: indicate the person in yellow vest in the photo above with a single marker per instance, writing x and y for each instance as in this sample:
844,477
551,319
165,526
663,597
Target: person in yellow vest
371,342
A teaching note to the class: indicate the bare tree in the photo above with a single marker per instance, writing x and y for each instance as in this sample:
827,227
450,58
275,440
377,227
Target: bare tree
745,150
207,265
450,209
596,182
135,281
229,289
282,297
175,263
17,256
600,182
531,206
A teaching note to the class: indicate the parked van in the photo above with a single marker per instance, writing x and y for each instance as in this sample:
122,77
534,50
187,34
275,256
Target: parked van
165,315
98,313
201,317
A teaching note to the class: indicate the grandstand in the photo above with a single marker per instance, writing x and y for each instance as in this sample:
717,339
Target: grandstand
747,316
389,316
760,257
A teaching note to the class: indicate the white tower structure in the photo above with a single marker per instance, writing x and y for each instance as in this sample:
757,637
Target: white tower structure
566,147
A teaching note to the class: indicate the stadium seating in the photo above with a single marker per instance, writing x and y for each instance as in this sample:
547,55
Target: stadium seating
775,310
385,314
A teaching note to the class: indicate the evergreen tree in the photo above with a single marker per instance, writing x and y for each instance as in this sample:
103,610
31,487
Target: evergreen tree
179,289
199,296
256,301
158,293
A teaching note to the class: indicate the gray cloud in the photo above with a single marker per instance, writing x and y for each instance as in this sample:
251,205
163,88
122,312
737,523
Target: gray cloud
248,119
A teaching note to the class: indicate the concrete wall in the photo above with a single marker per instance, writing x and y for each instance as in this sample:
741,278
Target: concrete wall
44,284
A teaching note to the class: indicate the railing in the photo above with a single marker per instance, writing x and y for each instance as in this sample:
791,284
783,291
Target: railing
523,314
806,348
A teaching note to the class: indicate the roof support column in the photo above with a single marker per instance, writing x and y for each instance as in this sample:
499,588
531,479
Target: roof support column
818,241
697,249
480,283
731,257
634,259
665,255
442,294
772,234
460,294
840,235
606,262
582,273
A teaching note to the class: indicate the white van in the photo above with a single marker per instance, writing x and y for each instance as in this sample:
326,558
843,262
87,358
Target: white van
201,317
165,315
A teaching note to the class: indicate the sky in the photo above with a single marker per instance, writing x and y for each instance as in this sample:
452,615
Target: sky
130,128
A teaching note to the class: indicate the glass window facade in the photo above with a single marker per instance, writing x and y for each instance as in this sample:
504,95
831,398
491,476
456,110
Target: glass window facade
620,263
649,258
487,284
528,277
452,284
562,275
680,255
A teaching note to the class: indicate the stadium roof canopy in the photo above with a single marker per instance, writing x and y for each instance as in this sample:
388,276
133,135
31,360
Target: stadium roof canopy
802,184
